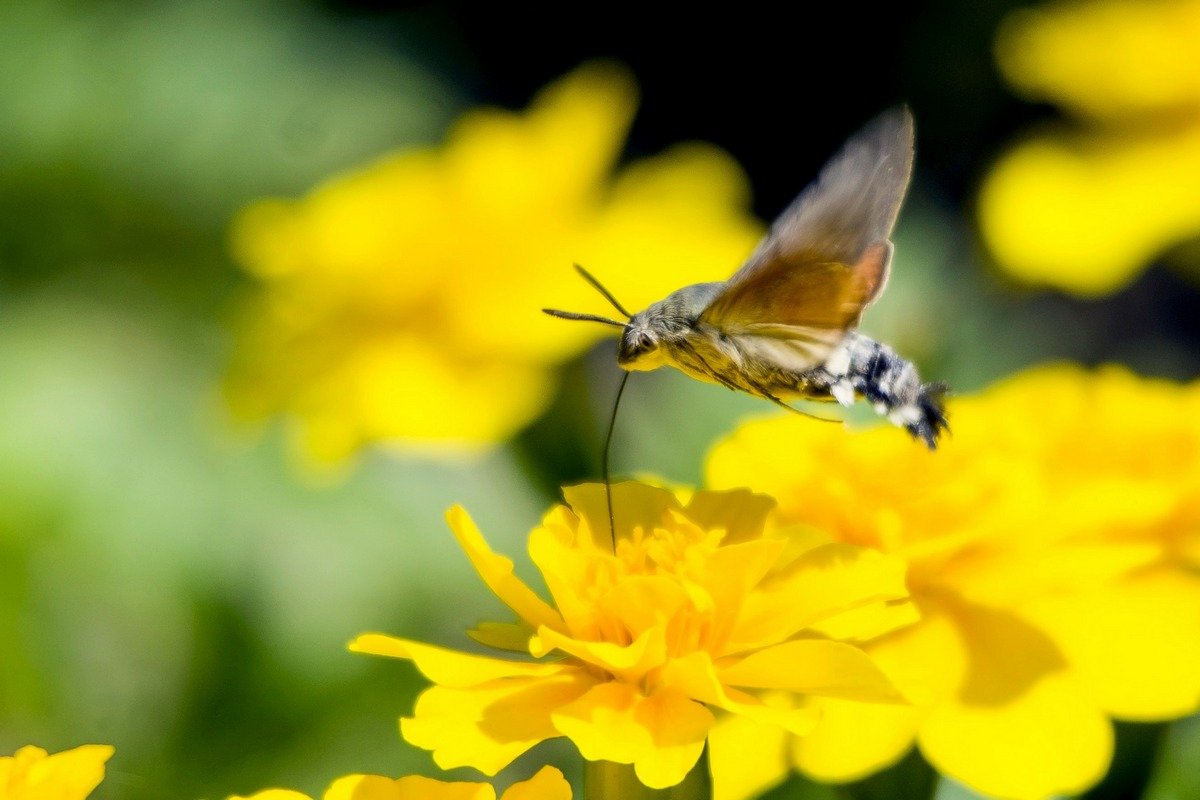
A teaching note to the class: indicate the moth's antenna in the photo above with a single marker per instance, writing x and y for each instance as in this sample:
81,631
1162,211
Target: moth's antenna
612,424
554,312
599,287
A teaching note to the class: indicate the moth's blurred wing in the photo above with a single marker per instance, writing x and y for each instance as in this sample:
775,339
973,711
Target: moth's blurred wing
827,256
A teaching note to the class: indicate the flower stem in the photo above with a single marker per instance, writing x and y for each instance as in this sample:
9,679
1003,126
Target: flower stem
605,780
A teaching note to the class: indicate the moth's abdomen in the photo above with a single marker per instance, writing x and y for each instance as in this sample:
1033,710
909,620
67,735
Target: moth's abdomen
861,366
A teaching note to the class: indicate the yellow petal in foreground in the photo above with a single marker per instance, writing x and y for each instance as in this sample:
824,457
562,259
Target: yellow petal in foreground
1132,642
1017,705
650,633
927,662
813,666
1054,734
450,667
881,734
487,726
410,787
33,774
661,735
753,757
1048,554
497,572
547,784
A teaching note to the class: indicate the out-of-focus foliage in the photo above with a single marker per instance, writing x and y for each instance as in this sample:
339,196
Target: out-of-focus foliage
161,585
401,302
1085,207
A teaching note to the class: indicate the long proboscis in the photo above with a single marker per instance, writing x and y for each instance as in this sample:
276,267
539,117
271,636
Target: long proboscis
604,462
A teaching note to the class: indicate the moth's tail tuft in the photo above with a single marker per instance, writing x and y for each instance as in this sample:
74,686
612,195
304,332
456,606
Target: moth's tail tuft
930,420
890,384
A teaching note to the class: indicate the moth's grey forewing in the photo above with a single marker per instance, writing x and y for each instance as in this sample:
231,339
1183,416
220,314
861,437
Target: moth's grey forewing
854,202
827,255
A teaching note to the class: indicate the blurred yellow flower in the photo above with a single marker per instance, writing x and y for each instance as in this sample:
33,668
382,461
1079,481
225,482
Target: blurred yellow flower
1086,210
547,784
1052,549
703,607
400,303
33,774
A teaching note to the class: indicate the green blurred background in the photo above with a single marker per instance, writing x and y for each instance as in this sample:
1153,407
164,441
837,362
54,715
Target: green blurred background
170,583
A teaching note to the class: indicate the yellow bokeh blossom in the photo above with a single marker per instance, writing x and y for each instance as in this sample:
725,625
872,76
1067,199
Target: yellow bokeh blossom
1085,210
1052,548
401,303
33,774
704,608
547,784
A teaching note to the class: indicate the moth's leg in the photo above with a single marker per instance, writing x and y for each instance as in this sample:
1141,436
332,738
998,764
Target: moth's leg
766,395
708,368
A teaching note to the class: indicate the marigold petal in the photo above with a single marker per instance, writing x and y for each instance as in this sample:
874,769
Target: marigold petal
678,729
497,572
741,513
695,676
510,636
1084,213
1009,579
1133,642
1104,59
812,667
823,582
927,661
275,794
1017,705
547,784
746,756
69,775
661,735
736,569
450,667
640,505
853,739
487,726
630,662
1053,730
868,622
674,219
410,787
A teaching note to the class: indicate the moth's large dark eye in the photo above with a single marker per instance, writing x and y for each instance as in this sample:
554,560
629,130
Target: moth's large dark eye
641,343
634,346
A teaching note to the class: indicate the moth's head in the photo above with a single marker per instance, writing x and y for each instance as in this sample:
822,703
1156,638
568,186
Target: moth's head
638,348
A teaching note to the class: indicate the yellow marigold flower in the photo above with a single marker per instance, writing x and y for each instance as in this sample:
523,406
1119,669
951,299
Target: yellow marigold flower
1052,550
547,784
401,302
1085,211
33,774
704,606
1105,58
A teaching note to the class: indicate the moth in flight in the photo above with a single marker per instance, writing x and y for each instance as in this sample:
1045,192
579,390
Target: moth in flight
783,327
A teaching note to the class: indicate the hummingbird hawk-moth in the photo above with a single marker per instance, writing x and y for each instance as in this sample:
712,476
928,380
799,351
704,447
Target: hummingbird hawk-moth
783,326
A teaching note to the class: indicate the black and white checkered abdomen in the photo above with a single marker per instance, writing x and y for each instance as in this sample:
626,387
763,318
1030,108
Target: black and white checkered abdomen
861,366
